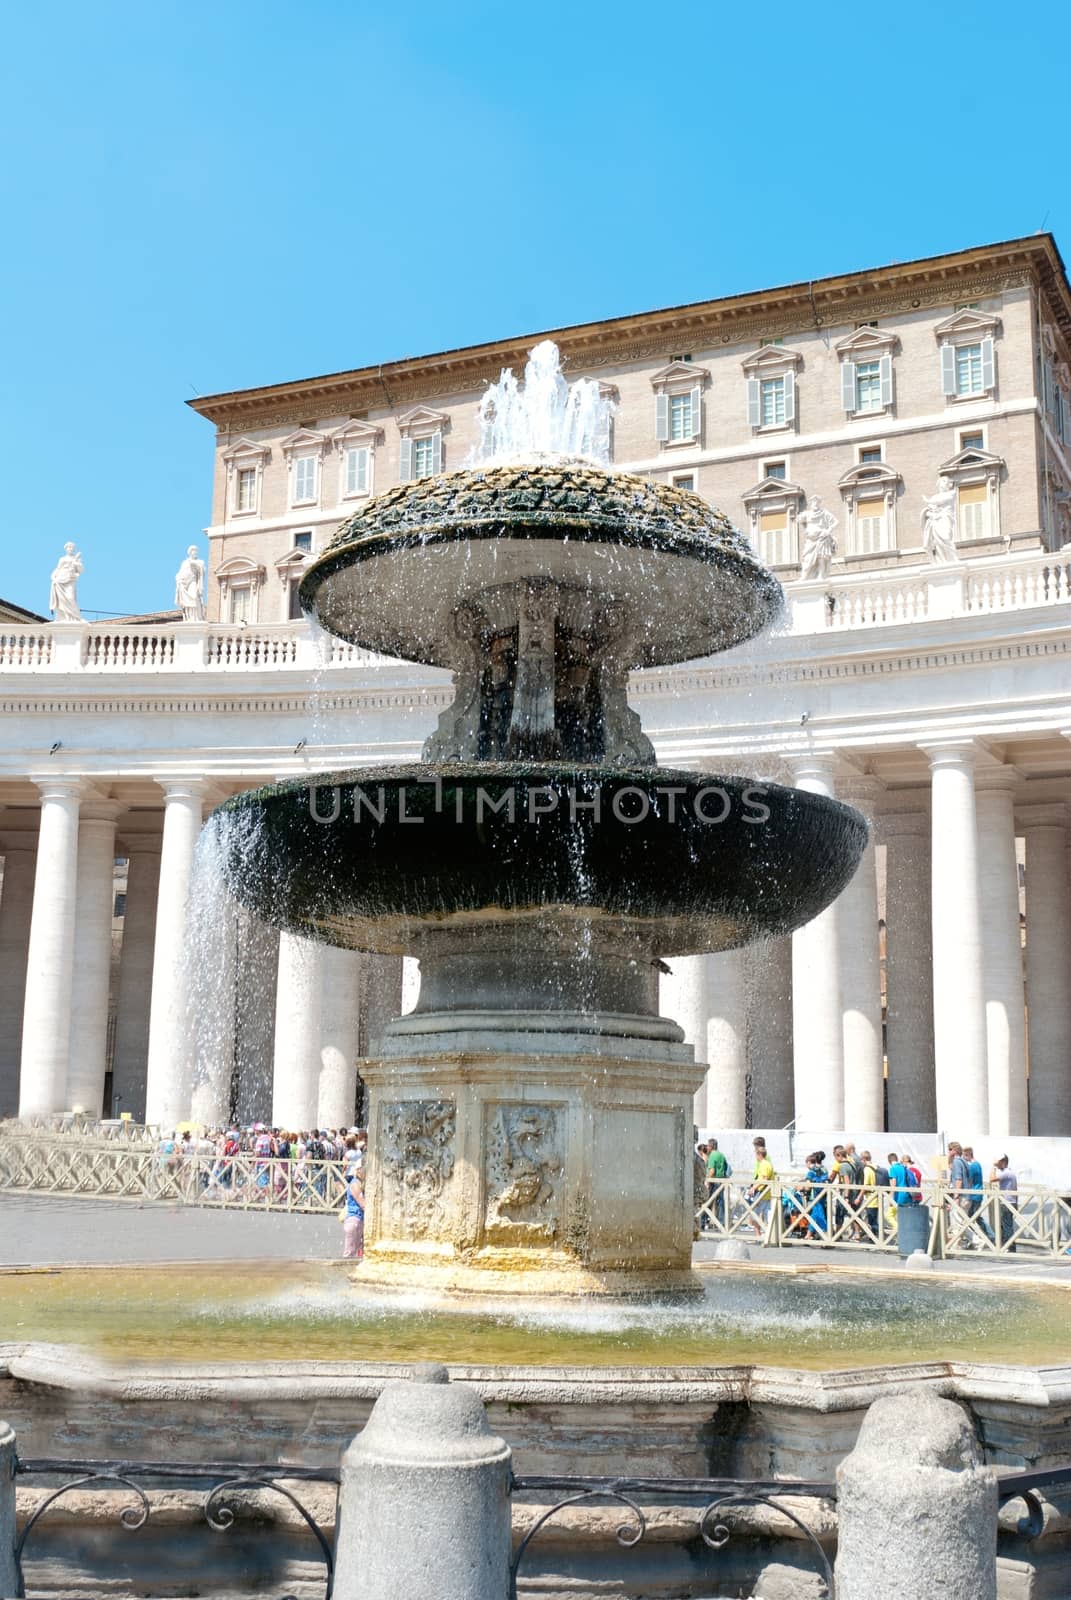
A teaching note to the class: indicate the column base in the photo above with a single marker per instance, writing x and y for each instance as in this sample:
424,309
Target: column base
522,1171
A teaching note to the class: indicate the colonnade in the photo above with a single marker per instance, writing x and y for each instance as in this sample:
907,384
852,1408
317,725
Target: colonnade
958,994
793,1029
297,1013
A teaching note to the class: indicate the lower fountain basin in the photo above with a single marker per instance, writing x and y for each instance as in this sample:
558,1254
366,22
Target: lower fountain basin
657,861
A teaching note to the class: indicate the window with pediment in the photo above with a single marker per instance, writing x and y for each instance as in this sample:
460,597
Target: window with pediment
244,461
1055,386
770,373
976,474
870,492
678,392
304,452
772,507
355,446
968,354
420,448
866,370
240,580
290,569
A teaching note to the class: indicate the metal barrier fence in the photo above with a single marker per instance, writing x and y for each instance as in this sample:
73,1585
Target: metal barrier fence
786,1211
241,1182
791,1211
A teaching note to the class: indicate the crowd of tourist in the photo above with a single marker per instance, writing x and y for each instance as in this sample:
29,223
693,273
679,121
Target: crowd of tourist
846,1196
276,1161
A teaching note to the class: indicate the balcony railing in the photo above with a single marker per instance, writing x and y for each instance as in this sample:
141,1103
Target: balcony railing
867,600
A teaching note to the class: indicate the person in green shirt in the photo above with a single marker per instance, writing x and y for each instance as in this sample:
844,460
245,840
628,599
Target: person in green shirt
718,1169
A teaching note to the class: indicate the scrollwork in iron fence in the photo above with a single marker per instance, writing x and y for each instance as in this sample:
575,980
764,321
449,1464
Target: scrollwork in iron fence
227,1479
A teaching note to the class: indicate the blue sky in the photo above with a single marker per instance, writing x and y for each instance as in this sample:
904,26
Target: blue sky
204,196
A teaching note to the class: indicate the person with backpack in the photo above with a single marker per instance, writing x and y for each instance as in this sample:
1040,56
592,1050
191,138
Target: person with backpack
871,1198
760,1190
903,1181
717,1175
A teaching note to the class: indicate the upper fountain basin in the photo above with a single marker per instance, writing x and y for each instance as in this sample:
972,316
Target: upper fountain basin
669,578
657,861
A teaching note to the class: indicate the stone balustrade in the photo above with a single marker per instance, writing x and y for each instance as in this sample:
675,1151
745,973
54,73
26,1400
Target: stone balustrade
857,600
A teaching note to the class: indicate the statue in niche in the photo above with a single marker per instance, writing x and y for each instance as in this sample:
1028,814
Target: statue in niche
939,522
524,1171
532,733
63,595
819,546
417,1157
190,587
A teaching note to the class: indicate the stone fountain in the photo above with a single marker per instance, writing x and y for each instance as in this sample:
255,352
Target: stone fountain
531,1119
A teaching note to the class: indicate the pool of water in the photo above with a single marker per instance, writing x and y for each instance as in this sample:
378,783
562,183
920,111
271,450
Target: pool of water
271,1311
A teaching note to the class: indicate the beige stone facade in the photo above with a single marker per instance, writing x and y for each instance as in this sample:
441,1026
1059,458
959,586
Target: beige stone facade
753,392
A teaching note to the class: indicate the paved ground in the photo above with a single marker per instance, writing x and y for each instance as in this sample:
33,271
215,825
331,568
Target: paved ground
47,1230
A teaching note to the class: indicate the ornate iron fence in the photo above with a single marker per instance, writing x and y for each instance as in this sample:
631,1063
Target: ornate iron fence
223,1484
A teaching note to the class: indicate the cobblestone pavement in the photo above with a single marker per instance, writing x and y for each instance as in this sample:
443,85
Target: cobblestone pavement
47,1230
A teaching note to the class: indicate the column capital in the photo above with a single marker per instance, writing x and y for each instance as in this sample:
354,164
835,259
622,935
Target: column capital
192,787
13,843
101,810
861,790
818,767
62,787
1053,814
950,753
141,844
997,780
905,824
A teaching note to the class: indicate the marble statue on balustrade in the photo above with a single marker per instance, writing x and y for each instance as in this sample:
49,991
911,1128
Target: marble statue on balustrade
819,544
63,595
939,522
190,587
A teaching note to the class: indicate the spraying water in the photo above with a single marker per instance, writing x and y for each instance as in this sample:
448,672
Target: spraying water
547,416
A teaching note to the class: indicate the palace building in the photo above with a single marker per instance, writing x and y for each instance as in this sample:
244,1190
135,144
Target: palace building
897,445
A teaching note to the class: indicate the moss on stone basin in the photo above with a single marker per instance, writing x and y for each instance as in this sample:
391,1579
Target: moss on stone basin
671,861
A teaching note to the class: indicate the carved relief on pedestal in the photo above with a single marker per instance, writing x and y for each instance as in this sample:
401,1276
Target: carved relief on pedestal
524,1165
416,1158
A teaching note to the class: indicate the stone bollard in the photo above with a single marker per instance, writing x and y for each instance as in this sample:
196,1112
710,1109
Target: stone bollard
916,1509
9,1585
424,1504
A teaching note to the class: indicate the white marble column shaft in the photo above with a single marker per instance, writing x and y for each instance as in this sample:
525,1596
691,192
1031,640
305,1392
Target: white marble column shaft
1048,969
46,1025
16,910
339,1018
768,970
817,1024
705,995
959,1017
254,1023
296,1078
94,903
998,881
860,980
135,976
170,1059
912,1098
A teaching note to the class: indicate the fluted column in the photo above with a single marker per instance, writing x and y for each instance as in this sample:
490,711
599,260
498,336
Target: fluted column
135,975
339,1002
909,972
1005,1011
94,897
296,1079
16,910
46,1025
768,969
959,1020
170,1059
817,1025
1048,968
860,979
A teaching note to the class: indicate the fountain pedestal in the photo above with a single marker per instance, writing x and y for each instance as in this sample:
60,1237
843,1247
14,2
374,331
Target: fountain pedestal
563,1168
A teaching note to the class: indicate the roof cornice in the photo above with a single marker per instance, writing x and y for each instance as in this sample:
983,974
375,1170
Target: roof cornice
822,303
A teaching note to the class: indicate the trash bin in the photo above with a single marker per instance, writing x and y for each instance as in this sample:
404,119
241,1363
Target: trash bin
912,1228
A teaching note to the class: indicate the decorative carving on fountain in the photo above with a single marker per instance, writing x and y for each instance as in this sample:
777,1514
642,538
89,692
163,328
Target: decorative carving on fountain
524,1166
416,1156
